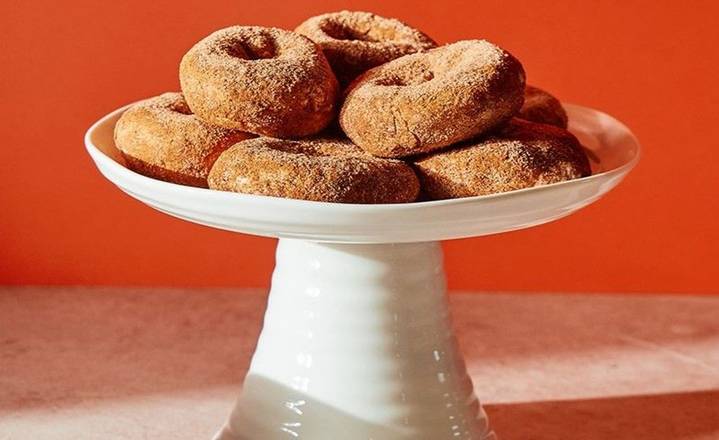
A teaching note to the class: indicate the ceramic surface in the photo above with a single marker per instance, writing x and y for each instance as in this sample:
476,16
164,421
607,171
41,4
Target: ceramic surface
357,343
613,147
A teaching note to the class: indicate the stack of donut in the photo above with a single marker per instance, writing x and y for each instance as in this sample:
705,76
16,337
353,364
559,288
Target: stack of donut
351,107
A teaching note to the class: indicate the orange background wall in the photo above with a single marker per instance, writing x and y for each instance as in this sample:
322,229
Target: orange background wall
652,64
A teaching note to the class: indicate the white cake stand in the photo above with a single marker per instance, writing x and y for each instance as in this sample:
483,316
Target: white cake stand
357,342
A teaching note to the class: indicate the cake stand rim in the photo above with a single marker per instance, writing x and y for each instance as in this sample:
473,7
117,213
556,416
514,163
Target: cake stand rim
143,187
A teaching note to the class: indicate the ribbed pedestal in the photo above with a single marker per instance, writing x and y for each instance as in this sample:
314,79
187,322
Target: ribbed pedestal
356,345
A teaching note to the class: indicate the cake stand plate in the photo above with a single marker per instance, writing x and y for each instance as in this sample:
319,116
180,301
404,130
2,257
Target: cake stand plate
357,342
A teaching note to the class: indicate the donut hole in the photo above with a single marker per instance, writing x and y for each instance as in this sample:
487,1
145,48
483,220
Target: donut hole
181,107
260,47
341,31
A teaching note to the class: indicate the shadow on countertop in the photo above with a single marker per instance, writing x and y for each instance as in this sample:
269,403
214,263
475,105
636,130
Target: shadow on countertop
685,416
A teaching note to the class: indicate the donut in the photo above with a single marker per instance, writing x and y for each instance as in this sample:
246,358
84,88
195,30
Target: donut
426,101
161,138
320,169
540,106
355,41
261,80
521,154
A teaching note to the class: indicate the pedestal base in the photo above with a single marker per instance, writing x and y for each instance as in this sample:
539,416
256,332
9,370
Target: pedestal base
357,344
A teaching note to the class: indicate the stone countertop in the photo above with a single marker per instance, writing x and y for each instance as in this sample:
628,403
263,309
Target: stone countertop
141,363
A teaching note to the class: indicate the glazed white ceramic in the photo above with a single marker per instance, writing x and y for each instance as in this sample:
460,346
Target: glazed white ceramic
612,144
357,342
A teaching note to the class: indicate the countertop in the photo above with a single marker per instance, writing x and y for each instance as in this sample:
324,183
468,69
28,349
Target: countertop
141,363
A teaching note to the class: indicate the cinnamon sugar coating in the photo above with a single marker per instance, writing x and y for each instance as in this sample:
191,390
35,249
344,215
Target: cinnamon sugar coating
521,154
266,81
161,138
426,101
320,169
355,41
540,106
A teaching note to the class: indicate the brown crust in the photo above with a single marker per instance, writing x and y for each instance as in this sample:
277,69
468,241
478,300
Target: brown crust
426,101
327,170
539,106
266,81
161,138
521,154
355,41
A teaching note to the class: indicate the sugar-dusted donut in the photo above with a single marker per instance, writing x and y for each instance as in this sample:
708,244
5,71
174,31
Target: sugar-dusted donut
355,41
522,154
540,106
161,138
426,101
327,170
262,80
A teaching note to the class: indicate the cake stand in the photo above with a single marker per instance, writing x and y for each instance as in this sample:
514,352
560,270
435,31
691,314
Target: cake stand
357,342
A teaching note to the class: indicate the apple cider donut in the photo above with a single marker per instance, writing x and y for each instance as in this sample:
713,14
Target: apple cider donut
540,106
521,154
354,41
161,138
262,80
425,101
327,170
